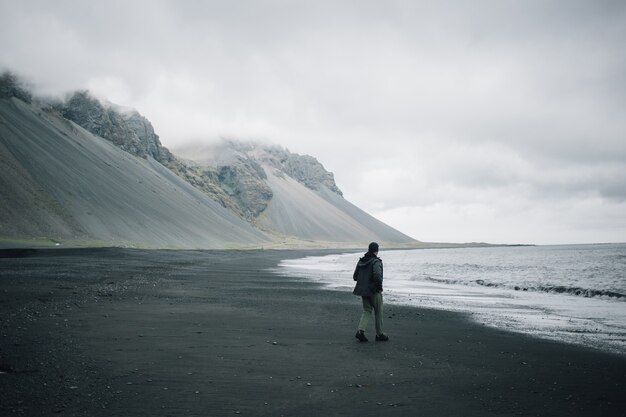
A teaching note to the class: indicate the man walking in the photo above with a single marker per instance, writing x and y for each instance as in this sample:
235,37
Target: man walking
369,285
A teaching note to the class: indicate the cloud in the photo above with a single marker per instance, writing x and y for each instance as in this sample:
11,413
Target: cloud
554,223
436,108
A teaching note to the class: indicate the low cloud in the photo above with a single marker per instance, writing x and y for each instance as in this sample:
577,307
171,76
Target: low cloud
505,114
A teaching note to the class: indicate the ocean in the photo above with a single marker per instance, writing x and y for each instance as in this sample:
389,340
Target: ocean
570,293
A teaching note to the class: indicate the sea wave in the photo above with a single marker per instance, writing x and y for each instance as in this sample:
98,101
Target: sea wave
553,289
584,292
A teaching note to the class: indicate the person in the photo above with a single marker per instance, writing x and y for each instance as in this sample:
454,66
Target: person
368,275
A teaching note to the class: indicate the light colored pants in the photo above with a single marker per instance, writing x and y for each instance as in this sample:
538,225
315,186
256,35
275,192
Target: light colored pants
374,302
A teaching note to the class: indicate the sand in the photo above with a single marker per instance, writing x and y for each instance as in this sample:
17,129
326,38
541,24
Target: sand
103,332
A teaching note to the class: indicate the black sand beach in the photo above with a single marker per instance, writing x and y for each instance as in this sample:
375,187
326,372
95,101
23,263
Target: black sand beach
119,332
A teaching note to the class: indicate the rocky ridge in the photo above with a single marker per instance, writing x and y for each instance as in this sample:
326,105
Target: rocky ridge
303,168
238,185
281,194
128,130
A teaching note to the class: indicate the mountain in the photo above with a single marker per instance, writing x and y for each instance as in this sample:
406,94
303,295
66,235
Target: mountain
305,201
85,172
61,183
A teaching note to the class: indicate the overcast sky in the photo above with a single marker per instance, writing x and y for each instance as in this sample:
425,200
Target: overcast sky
497,121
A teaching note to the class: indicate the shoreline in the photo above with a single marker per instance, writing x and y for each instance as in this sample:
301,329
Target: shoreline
45,243
514,304
149,332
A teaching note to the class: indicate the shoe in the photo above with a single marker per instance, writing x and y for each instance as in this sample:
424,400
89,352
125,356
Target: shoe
361,336
382,338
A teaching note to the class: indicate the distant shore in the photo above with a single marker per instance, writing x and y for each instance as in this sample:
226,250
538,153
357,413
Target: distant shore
111,331
8,243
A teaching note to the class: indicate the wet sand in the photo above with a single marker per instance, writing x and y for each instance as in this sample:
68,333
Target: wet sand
103,332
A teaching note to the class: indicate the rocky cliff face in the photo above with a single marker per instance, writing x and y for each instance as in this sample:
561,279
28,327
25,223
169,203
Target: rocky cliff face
240,172
233,186
12,86
128,130
148,140
303,168
244,181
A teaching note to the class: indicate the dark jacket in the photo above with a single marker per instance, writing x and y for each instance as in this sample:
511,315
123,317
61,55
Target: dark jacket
368,275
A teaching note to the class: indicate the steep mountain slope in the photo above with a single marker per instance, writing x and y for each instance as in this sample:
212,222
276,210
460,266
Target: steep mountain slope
59,181
86,170
297,210
285,194
305,201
